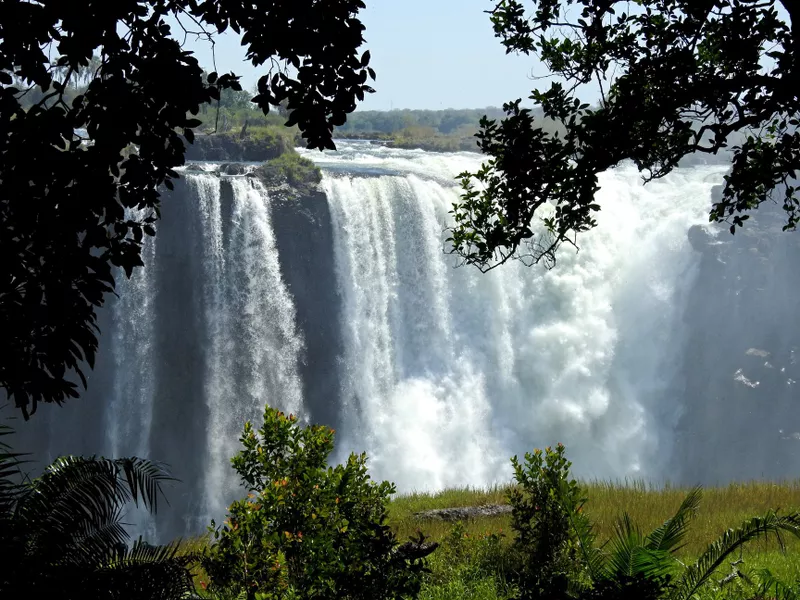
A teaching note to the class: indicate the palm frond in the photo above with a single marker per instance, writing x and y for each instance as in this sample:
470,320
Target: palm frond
144,479
668,536
73,510
146,571
696,575
770,586
627,539
630,558
90,541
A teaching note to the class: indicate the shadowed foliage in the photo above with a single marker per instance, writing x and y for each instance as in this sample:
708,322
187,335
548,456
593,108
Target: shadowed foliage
80,172
62,536
675,77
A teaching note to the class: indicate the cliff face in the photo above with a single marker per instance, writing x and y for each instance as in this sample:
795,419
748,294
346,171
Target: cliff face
226,147
742,363
304,235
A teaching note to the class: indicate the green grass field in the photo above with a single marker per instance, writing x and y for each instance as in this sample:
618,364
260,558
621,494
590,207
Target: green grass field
470,564
456,575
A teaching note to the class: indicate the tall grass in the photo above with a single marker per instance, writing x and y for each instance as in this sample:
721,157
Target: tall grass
468,566
648,505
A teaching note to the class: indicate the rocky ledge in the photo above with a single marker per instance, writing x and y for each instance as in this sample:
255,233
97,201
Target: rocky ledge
464,513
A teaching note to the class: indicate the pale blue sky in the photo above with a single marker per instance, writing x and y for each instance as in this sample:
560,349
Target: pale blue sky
427,54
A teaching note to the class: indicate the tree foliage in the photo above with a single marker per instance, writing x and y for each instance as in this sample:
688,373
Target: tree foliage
61,534
544,502
675,77
80,175
307,530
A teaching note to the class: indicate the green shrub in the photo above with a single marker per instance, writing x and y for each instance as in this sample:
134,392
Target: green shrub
307,530
302,174
546,503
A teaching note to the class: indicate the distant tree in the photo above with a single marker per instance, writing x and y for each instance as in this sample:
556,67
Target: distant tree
674,77
74,205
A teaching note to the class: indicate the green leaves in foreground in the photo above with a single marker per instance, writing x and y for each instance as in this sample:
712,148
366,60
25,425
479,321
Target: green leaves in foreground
562,559
61,534
307,530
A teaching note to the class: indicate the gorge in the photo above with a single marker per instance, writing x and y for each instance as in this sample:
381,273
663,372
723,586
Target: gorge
659,341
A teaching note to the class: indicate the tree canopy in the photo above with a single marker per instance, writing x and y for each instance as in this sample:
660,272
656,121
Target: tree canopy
80,174
675,77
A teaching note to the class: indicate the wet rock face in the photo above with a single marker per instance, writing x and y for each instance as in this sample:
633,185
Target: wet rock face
304,234
740,370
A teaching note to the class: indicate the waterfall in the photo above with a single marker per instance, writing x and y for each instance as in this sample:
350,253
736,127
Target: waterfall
253,345
344,306
130,412
199,339
448,372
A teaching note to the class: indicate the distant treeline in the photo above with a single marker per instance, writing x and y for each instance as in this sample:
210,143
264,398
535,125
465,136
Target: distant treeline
448,130
448,122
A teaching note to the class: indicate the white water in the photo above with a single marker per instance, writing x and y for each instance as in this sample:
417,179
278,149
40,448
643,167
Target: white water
131,411
254,348
251,347
448,372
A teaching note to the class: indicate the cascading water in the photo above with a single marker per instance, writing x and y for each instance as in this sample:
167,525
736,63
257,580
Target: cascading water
131,408
198,341
253,345
344,306
448,371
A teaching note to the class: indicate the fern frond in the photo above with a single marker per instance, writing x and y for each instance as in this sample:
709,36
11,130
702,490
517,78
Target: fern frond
670,534
696,575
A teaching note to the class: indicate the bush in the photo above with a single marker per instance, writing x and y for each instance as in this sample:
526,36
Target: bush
307,530
299,172
546,505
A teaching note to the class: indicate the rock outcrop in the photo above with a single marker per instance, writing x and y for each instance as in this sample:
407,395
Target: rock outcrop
464,513
304,234
226,147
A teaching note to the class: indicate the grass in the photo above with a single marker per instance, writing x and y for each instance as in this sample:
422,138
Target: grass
470,562
721,508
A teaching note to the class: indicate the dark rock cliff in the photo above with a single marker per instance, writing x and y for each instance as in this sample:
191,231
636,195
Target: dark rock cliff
304,235
741,363
226,147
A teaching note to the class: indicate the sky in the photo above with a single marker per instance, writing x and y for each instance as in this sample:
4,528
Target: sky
432,54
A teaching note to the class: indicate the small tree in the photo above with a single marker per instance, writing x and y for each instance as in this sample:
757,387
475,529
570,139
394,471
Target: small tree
546,503
307,530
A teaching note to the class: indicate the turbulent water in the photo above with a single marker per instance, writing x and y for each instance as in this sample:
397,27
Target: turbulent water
439,372
448,372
